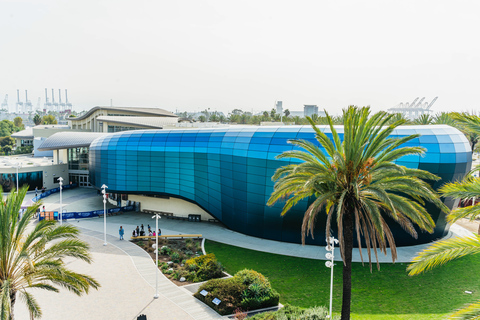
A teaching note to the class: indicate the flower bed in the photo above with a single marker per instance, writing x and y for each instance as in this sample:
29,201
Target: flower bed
182,261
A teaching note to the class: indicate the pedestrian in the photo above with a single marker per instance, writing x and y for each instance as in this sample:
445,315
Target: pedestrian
141,227
121,232
36,191
138,230
134,233
43,208
154,234
159,232
148,227
150,233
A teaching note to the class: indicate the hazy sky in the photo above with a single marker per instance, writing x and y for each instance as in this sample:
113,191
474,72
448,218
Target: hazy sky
192,55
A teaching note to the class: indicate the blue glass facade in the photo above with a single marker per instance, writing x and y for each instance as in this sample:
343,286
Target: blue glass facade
228,172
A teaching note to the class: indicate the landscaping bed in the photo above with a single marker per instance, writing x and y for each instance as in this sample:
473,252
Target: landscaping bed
182,260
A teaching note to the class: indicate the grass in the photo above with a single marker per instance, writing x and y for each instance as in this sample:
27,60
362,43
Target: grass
386,294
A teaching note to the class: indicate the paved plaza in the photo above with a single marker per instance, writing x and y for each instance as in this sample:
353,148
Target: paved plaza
127,273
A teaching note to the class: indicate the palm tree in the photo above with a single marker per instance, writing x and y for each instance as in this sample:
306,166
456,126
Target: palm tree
444,118
34,259
356,183
443,251
424,119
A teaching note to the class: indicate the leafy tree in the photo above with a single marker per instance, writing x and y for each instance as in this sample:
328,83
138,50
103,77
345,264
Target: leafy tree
37,119
72,116
49,119
237,112
202,118
6,128
7,149
265,114
35,258
287,112
272,113
7,141
357,183
18,122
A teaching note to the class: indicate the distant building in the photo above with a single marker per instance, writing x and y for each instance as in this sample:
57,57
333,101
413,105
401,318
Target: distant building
309,110
115,119
279,107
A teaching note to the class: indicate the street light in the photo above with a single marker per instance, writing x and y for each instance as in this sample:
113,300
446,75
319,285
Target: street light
104,214
61,206
329,264
156,217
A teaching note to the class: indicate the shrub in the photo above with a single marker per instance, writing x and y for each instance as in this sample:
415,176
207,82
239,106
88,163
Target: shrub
255,292
165,250
175,257
206,267
228,290
150,249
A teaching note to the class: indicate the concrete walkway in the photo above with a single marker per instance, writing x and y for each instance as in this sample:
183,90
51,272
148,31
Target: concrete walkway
89,200
126,291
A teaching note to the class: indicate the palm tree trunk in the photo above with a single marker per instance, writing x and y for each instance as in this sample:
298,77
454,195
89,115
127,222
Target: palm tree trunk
13,298
347,265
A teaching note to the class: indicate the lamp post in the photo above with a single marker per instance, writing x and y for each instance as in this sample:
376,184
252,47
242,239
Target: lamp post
156,217
60,182
104,214
330,255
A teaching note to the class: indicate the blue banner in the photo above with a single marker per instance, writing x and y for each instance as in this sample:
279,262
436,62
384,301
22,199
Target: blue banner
95,213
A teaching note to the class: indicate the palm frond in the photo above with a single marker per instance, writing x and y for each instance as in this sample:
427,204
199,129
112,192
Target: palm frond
442,251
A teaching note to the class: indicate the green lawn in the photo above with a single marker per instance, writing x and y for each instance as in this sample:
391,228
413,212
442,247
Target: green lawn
386,294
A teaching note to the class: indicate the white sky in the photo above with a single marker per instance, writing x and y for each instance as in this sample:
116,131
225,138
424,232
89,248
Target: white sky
195,54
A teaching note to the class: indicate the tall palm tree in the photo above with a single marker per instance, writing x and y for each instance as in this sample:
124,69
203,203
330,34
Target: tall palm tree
34,258
443,251
356,183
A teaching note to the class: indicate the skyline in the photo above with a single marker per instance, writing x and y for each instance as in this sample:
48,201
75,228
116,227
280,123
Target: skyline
196,55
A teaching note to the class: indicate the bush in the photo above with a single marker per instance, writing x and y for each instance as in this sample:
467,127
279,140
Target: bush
175,257
228,290
255,292
165,250
205,267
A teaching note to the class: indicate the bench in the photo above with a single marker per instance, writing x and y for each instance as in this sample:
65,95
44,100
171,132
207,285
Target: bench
169,236
162,213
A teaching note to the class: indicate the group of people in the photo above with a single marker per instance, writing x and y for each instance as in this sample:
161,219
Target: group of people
36,190
140,231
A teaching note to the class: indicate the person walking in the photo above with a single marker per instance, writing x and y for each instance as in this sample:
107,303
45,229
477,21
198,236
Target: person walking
121,232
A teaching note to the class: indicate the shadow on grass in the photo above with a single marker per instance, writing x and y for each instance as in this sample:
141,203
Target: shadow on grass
306,282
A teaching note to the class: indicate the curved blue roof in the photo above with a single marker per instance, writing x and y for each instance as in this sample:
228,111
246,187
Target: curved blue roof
227,171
